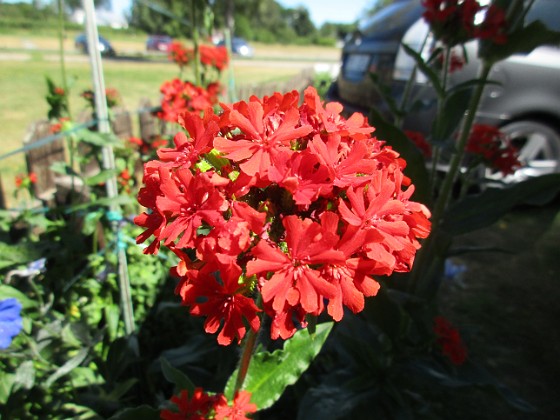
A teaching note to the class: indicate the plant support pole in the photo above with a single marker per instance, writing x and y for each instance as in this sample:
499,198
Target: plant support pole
108,157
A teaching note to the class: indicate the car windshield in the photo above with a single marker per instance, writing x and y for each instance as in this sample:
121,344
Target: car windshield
391,21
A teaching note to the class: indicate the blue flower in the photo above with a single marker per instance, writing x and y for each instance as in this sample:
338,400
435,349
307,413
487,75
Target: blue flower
10,321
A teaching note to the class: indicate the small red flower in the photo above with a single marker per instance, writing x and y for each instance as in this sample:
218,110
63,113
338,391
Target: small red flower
240,408
450,341
219,296
178,53
197,407
420,141
59,91
494,148
494,26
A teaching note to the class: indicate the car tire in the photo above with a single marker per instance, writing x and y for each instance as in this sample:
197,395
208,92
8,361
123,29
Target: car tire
538,143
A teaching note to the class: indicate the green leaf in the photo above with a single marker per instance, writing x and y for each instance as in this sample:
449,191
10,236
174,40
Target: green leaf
6,382
63,168
99,139
176,377
25,376
16,254
415,163
424,68
270,373
101,177
73,363
11,292
476,212
452,112
143,412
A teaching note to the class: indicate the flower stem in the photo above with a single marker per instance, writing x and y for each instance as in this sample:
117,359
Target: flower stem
248,348
456,159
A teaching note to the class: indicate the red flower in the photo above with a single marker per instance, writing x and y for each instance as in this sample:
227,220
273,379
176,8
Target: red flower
59,91
306,204
238,410
181,97
33,177
223,300
263,134
295,280
494,26
420,141
179,54
203,406
214,56
451,21
198,407
450,341
493,147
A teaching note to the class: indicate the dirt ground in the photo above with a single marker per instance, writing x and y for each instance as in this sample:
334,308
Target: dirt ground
506,306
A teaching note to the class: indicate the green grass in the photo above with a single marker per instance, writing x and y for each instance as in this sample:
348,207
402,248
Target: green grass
23,89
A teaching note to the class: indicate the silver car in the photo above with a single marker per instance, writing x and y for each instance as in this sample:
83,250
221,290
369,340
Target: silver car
525,103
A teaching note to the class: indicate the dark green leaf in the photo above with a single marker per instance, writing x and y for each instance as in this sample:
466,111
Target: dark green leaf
176,377
270,373
475,212
452,112
424,68
67,367
143,412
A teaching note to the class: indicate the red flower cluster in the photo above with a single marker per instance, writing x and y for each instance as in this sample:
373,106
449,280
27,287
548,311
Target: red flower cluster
59,91
494,148
202,406
146,148
179,54
453,21
420,141
456,61
24,181
216,57
450,341
180,97
294,202
111,94
57,127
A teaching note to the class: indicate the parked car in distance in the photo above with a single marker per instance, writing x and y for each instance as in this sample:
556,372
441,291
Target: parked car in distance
525,104
239,46
105,47
158,43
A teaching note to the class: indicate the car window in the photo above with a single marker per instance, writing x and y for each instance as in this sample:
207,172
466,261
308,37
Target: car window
391,21
547,11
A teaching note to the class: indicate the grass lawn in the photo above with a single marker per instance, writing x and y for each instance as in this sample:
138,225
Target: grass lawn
23,85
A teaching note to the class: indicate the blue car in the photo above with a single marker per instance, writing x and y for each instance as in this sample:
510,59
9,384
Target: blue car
105,47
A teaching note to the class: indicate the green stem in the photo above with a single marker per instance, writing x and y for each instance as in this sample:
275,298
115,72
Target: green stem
61,53
247,354
248,348
429,252
440,103
409,84
457,158
195,36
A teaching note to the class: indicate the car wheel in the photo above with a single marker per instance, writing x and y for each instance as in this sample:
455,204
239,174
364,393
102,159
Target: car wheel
539,150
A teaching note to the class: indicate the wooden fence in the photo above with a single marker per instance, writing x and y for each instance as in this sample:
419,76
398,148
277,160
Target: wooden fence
39,160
